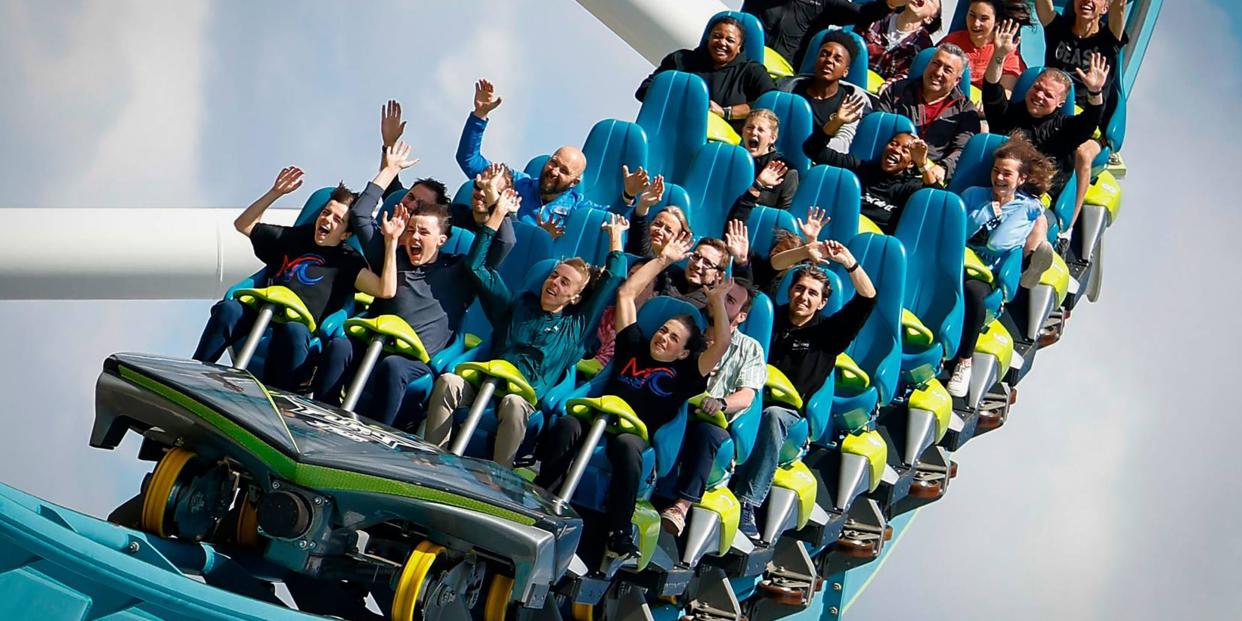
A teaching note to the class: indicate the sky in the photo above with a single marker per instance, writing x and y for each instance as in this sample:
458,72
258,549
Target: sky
1107,495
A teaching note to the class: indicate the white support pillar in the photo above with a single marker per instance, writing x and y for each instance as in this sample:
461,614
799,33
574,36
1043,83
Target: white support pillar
654,28
125,254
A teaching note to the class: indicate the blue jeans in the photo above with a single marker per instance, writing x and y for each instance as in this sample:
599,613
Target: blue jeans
703,441
288,349
385,389
754,478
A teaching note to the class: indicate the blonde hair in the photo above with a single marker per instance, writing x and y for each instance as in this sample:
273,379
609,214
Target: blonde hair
679,216
768,115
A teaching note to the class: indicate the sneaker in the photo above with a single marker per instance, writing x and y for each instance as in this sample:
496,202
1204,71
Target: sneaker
674,518
959,384
746,521
621,543
1041,260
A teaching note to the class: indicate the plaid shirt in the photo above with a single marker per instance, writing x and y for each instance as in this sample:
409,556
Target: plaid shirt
742,366
893,62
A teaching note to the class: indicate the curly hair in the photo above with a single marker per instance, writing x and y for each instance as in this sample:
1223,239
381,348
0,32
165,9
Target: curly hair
840,37
1038,168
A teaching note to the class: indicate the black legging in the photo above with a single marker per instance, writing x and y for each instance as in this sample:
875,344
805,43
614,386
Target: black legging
973,314
625,451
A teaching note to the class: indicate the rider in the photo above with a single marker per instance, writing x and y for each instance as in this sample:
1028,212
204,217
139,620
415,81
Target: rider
541,333
311,261
655,375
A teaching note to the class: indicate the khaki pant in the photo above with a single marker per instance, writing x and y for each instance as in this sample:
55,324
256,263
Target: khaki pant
452,392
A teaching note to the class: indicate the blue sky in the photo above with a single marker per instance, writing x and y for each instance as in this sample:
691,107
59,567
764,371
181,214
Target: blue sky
1107,496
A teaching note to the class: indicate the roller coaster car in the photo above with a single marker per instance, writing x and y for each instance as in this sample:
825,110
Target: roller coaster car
315,492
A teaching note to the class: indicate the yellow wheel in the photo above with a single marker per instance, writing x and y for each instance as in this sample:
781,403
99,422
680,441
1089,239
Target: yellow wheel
159,492
498,592
247,533
410,583
584,612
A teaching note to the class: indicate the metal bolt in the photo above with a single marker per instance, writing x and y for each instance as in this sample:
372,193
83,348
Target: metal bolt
832,610
178,442
302,544
275,484
312,545
836,586
319,500
133,547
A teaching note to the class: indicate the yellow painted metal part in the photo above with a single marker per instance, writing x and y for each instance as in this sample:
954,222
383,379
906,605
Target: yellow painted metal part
719,130
589,367
869,444
1106,192
781,390
1057,276
934,398
722,501
623,417
913,332
155,499
866,225
363,300
976,269
798,478
776,64
247,531
998,343
583,612
874,82
976,95
402,339
851,378
647,519
515,383
716,418
292,308
498,592
471,340
410,582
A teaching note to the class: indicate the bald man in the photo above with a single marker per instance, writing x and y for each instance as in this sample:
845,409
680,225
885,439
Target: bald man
547,200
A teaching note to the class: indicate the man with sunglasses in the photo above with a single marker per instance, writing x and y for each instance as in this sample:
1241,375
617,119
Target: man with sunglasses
430,295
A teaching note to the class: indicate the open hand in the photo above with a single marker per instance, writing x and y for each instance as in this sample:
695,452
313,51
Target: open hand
553,225
615,225
1096,75
398,157
391,125
773,174
508,202
816,218
633,183
850,111
1005,39
737,240
836,252
289,179
677,248
718,291
650,196
485,99
393,224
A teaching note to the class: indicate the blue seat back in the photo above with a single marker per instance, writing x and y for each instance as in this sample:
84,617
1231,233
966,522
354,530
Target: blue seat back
877,348
1024,84
533,245
834,190
858,66
459,242
974,167
933,232
535,166
719,174
875,131
464,192
674,116
610,145
797,123
1115,126
919,66
752,34
583,237
762,226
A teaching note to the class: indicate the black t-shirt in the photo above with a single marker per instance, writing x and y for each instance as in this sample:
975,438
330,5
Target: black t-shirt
654,389
1067,52
821,109
884,196
323,276
806,354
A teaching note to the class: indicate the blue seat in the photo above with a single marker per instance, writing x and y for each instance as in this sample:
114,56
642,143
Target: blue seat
877,348
919,66
797,123
752,34
875,131
933,232
859,65
974,167
674,116
534,167
464,192
583,237
718,175
762,225
817,411
745,425
610,145
834,190
1024,84
659,458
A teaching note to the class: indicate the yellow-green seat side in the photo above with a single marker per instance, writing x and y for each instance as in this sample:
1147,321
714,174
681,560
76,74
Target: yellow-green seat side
874,82
913,333
976,269
363,300
624,419
933,397
471,340
401,338
1106,192
1057,276
589,367
798,478
851,379
867,225
781,390
869,444
514,382
716,418
719,130
291,307
997,342
776,64
647,519
722,501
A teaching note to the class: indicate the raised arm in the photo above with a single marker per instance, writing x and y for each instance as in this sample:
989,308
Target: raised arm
1079,128
639,240
838,253
1045,11
719,328
391,128
385,284
931,173
627,309
1117,18
289,179
494,295
469,156
819,146
361,221
1004,41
